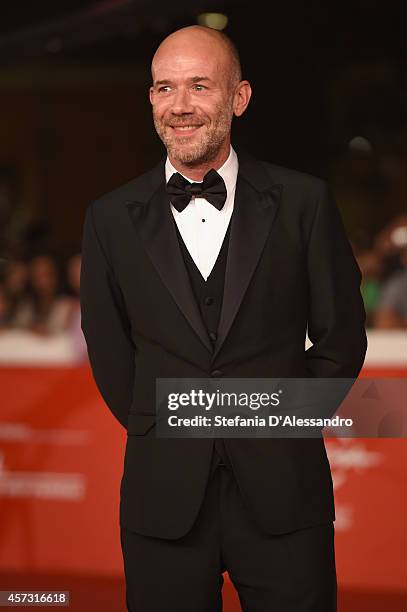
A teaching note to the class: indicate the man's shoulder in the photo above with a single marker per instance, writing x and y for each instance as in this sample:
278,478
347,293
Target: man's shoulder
290,175
138,189
263,173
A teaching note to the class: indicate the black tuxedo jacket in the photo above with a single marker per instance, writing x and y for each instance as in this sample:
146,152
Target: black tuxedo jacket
289,267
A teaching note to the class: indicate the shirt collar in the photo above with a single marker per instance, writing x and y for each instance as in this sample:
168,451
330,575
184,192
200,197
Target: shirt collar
228,171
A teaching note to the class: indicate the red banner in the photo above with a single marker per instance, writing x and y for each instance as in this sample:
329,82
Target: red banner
61,455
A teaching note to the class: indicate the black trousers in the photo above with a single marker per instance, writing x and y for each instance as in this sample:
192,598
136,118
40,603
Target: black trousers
293,572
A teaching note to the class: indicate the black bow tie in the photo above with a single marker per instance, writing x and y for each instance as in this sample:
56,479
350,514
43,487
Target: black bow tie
212,189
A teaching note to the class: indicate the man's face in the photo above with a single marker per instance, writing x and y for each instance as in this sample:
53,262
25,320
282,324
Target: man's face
192,100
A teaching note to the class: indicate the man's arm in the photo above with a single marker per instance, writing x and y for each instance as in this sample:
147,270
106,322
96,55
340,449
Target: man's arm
336,317
105,325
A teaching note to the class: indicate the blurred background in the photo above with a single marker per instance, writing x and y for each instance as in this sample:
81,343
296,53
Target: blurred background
330,99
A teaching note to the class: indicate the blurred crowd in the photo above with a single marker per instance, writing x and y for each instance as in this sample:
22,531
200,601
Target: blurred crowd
40,295
384,277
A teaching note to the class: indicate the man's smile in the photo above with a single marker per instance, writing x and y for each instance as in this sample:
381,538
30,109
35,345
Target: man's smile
185,130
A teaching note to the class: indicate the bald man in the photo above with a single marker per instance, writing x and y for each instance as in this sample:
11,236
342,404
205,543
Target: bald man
215,265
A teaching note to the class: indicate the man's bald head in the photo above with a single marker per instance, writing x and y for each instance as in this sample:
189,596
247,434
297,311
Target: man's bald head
196,92
217,42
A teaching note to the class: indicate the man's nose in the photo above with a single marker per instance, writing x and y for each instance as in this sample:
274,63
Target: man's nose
182,102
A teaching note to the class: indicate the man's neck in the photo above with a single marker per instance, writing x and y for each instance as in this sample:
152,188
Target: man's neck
198,171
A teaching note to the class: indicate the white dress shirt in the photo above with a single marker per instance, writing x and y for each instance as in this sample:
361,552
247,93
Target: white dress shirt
201,225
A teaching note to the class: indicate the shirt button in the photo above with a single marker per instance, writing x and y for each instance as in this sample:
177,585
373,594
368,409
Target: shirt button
213,335
216,373
208,301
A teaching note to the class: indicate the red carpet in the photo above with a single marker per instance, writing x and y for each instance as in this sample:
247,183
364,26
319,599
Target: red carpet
106,594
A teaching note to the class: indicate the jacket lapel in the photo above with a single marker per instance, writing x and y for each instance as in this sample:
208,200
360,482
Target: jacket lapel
255,207
154,224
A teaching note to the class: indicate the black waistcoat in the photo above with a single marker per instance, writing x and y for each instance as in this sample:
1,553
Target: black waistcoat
209,296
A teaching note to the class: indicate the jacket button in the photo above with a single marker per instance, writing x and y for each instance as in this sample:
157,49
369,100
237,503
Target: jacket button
216,373
213,336
208,301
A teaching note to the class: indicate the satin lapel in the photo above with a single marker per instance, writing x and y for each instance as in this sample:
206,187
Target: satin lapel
154,224
252,218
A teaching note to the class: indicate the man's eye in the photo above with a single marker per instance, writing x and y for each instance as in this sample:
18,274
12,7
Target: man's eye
164,89
199,87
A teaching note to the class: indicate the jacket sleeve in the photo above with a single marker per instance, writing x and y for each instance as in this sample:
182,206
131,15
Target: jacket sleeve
105,325
336,316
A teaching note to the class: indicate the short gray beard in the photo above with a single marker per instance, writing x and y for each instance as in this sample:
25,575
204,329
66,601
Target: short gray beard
200,153
203,151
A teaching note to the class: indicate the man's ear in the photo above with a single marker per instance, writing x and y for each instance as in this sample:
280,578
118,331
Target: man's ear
242,97
151,94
